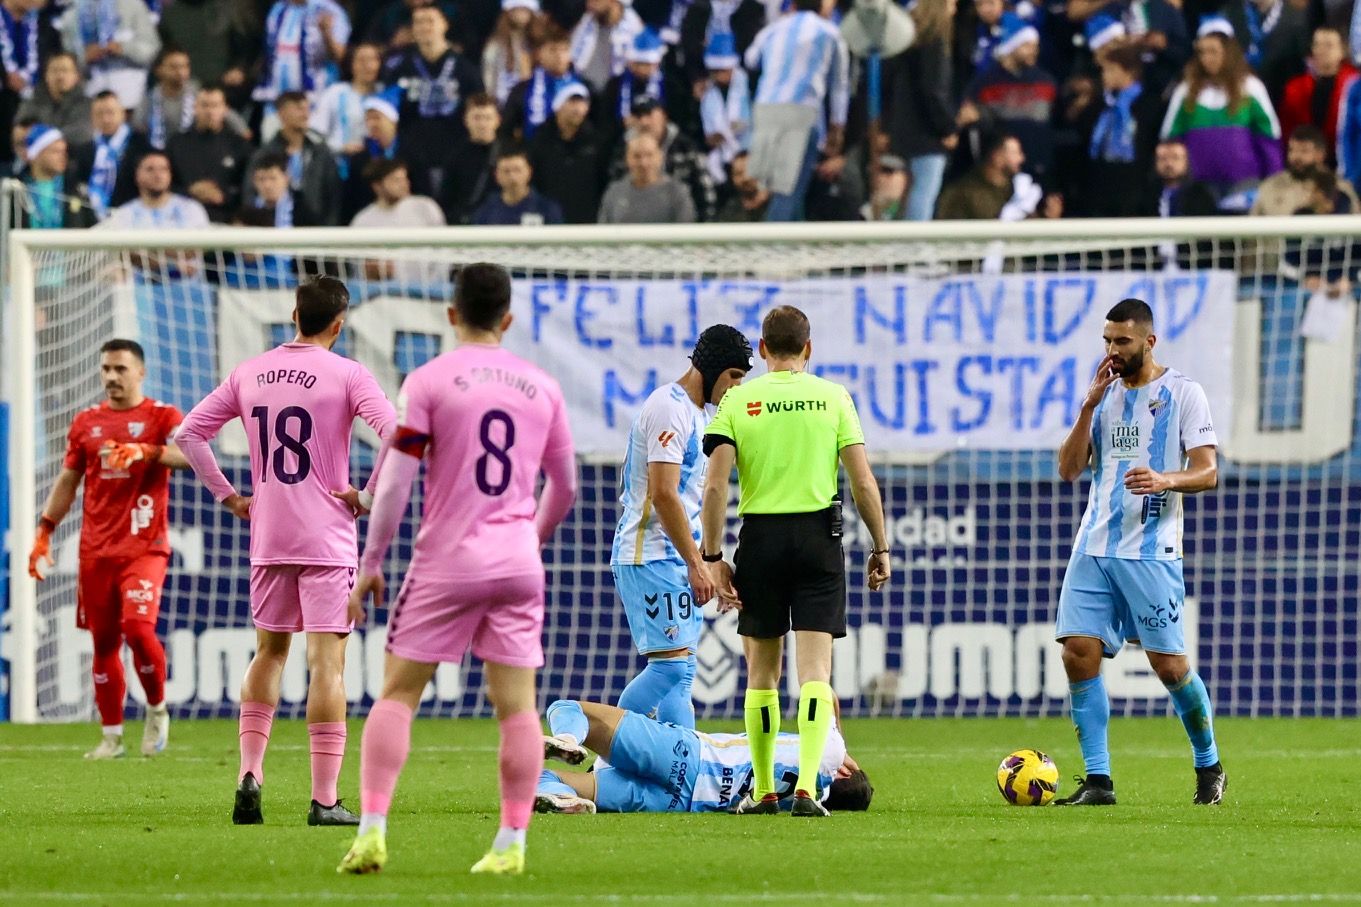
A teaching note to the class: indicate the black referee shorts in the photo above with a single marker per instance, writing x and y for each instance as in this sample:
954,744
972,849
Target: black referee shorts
790,574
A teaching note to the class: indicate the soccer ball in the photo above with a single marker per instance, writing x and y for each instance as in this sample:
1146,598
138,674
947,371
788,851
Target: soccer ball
1028,778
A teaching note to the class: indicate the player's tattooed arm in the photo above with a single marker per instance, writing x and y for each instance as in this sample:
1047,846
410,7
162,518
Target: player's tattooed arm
1201,474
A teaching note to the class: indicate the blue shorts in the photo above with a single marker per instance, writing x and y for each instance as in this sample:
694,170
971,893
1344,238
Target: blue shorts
652,768
1117,600
659,605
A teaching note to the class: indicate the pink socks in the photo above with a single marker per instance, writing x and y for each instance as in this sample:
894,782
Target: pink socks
327,744
256,721
521,761
383,752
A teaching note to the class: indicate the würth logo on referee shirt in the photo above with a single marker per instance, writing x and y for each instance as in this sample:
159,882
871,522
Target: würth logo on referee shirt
666,438
787,406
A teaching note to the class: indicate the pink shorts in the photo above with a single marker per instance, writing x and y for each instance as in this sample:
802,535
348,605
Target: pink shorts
435,620
292,598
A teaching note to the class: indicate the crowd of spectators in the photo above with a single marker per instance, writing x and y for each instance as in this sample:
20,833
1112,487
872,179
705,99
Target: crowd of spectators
428,112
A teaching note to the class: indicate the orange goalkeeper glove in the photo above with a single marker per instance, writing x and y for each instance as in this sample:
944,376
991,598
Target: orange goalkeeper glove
40,558
121,456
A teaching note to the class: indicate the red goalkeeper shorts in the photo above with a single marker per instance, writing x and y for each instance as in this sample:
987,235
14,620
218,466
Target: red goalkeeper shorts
113,590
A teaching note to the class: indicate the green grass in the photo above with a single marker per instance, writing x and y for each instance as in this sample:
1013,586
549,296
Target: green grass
142,831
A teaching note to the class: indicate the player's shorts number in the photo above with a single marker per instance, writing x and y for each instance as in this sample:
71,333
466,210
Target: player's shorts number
295,445
682,604
496,452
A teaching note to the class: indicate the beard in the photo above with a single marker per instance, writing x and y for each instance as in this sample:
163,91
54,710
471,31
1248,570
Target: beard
1132,365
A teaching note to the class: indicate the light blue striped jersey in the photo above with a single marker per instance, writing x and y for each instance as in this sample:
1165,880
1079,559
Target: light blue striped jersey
725,768
802,61
1154,426
669,429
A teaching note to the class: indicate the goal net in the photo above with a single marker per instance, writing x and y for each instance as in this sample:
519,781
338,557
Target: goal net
967,348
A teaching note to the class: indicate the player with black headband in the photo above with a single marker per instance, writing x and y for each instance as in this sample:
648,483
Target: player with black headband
656,561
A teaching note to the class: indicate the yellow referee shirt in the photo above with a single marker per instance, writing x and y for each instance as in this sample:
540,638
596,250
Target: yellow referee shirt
788,428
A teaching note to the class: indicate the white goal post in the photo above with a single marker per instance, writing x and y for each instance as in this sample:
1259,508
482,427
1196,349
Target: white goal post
964,343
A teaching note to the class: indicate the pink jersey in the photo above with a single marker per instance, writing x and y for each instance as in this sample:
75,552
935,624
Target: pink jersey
486,421
298,403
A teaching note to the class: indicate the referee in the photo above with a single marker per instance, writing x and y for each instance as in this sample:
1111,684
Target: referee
786,432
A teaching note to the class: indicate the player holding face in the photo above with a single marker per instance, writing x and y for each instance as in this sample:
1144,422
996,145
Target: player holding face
656,767
656,562
121,450
1145,430
489,423
298,403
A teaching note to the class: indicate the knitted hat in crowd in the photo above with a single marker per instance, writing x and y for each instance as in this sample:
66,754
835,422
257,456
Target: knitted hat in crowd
388,103
40,137
1102,29
1214,24
569,90
721,52
647,47
1015,33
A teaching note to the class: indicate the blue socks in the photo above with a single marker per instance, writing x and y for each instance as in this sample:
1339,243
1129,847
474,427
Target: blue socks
1192,703
678,707
566,717
550,783
662,691
1091,718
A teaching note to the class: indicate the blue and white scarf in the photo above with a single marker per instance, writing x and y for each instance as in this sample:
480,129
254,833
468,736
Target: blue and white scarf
104,175
539,99
434,97
295,168
1113,137
283,211
98,20
19,46
1259,29
717,115
720,21
156,117
291,26
653,90
376,150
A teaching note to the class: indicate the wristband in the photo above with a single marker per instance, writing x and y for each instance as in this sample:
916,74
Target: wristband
366,500
154,451
711,558
880,551
47,524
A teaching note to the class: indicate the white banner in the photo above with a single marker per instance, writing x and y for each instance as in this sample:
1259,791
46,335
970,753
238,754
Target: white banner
962,362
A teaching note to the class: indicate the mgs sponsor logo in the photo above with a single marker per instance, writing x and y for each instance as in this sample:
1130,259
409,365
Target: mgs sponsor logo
143,595
1162,617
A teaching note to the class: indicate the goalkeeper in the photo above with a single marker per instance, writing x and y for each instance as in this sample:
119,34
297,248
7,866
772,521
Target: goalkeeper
657,767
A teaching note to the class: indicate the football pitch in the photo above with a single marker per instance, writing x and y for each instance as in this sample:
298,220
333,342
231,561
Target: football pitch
140,831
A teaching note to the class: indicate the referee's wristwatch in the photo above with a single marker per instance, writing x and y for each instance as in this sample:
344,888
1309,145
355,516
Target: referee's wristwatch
711,558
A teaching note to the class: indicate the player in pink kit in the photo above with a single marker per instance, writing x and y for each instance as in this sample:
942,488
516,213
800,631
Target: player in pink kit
298,403
489,423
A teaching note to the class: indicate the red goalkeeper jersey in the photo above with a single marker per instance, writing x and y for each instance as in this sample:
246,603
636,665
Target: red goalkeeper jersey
124,509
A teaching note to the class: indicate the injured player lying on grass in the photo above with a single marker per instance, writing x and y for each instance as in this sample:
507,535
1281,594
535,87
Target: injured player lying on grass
657,767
